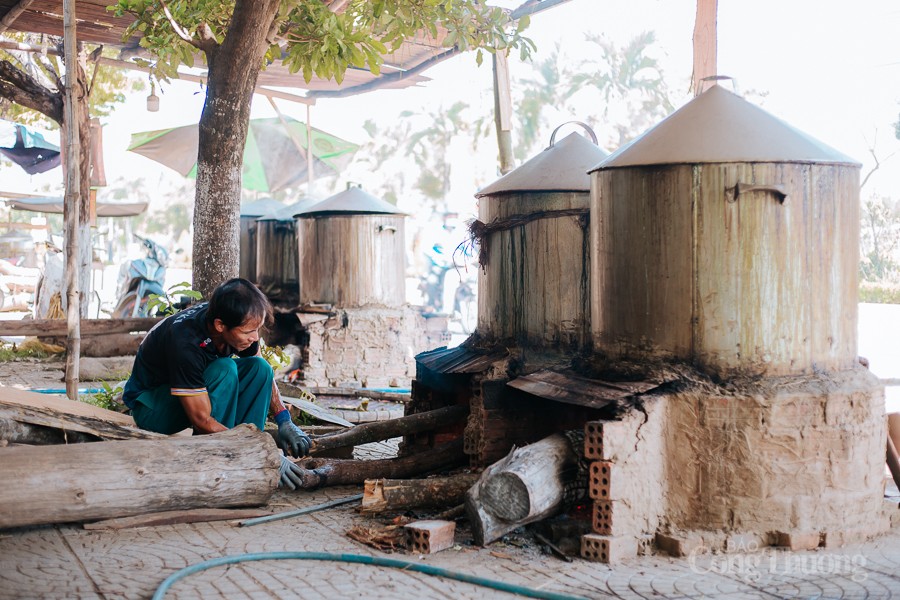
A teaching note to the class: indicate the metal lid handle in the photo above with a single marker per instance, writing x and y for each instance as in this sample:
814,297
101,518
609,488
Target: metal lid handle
587,128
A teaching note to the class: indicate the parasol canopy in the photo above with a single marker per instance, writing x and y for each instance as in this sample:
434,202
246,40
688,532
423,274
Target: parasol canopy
27,148
54,205
274,155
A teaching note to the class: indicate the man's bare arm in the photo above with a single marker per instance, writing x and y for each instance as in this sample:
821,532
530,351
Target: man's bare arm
198,409
275,404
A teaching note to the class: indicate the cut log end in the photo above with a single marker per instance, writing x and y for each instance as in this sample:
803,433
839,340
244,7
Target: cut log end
506,497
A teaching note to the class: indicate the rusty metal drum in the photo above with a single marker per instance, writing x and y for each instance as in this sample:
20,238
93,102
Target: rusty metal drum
533,233
352,251
728,239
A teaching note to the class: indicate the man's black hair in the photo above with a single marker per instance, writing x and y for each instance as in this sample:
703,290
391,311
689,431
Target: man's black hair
237,300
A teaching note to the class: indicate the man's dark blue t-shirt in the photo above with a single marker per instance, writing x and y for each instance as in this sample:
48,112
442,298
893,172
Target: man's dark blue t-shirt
175,353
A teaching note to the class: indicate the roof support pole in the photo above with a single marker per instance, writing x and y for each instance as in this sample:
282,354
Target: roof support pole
72,201
705,40
503,111
310,168
13,14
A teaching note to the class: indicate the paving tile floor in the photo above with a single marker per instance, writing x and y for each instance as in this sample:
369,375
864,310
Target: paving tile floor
67,561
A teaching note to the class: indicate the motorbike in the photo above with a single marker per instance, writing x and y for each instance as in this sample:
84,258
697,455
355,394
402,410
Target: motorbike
442,294
139,279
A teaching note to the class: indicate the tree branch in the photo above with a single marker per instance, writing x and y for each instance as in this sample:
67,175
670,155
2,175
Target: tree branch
877,166
207,39
337,6
50,70
21,88
177,28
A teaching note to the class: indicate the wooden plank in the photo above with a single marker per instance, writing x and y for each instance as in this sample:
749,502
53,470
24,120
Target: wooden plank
176,517
59,404
57,327
96,428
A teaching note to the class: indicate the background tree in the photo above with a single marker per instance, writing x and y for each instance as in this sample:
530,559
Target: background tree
32,89
37,56
321,37
880,239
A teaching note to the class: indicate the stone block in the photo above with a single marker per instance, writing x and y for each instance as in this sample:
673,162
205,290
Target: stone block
798,540
679,544
608,549
428,537
838,538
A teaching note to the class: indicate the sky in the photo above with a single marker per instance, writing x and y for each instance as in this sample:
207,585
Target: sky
830,68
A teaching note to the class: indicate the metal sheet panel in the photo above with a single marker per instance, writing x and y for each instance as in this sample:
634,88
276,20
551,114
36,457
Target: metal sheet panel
573,389
458,360
721,127
562,167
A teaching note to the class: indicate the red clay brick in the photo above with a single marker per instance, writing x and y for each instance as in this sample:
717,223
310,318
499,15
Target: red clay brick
428,537
600,479
608,549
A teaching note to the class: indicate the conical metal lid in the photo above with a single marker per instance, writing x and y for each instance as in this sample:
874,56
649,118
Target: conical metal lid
720,127
258,208
351,201
286,213
561,167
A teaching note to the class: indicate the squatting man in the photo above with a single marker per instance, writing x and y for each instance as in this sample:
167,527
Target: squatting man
184,374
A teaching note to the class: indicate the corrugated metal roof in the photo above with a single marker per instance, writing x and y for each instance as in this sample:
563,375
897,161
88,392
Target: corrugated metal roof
717,127
258,208
574,389
351,201
561,167
286,213
458,360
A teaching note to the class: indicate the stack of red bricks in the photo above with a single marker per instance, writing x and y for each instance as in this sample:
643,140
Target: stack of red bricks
626,481
612,540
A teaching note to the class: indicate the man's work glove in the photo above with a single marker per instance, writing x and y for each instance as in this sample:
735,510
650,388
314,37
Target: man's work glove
291,438
290,474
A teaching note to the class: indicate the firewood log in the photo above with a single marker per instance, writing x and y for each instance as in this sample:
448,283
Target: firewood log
103,480
524,487
380,495
385,430
319,472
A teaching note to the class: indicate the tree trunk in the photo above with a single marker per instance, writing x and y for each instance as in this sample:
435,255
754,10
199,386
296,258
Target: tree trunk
83,482
525,487
16,431
381,495
384,430
319,472
233,69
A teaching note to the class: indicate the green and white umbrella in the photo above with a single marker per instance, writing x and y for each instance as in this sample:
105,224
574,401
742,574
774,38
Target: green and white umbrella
274,156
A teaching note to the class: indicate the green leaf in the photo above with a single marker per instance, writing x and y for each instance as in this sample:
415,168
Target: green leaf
523,23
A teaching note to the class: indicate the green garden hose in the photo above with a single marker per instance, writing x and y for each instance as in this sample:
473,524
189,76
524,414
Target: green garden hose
365,560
